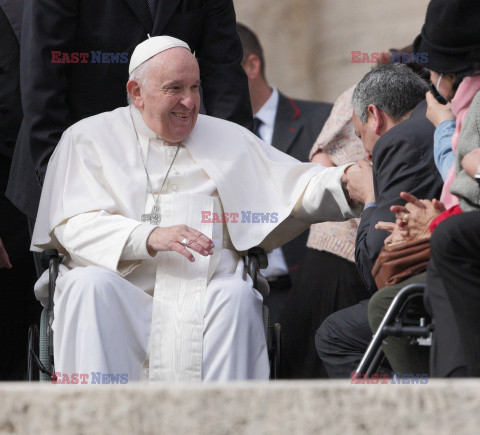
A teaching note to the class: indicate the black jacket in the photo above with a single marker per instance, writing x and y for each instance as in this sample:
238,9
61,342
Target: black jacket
402,162
297,126
56,95
10,106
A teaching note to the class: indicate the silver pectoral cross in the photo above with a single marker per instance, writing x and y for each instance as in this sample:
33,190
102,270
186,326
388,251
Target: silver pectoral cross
154,217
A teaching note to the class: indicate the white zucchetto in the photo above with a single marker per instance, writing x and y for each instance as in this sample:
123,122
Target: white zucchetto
152,46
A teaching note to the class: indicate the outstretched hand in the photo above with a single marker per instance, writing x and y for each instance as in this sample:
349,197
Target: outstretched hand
170,239
414,218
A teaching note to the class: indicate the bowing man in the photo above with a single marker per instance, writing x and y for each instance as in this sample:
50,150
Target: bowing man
153,206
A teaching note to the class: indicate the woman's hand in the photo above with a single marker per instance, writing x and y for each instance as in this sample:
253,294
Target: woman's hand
436,112
415,217
395,236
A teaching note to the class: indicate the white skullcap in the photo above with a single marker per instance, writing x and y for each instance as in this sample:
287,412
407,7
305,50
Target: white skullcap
152,46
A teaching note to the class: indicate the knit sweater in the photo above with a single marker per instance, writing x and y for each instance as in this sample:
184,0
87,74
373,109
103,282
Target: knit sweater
339,142
463,185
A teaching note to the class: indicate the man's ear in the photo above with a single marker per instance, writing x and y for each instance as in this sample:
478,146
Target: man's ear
378,118
133,89
252,66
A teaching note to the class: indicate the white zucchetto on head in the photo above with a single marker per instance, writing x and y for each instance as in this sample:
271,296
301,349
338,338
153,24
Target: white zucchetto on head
152,46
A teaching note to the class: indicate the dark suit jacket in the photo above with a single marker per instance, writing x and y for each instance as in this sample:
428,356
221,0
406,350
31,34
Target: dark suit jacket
56,95
19,309
297,125
10,107
402,161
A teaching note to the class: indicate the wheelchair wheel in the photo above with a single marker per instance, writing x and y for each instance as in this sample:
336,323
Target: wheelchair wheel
266,322
33,335
43,346
278,348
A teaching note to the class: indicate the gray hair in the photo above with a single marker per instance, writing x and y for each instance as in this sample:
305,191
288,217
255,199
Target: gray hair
140,74
395,89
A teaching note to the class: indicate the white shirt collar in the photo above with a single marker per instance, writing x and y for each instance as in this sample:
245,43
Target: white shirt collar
268,111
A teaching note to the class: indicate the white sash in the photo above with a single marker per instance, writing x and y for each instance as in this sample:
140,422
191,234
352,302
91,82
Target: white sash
176,335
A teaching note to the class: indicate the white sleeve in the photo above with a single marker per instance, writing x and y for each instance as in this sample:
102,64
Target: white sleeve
324,198
136,245
103,239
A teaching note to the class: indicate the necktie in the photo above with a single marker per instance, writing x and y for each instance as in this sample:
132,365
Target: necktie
152,5
257,123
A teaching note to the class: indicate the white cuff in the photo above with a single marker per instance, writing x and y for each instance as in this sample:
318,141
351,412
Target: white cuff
136,245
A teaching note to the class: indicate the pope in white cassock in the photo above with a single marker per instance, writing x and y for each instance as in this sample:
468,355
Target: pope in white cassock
152,206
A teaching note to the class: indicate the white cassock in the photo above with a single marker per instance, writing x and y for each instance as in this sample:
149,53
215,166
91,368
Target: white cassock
119,310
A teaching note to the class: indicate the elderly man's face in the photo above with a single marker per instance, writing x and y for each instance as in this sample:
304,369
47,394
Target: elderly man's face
170,102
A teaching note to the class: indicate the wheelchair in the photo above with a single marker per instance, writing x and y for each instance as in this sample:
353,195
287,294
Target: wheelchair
40,340
398,322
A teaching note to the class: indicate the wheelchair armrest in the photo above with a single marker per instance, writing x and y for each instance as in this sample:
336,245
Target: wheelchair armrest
262,285
47,255
257,259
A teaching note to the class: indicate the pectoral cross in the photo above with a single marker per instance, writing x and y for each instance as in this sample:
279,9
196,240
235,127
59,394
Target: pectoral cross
154,217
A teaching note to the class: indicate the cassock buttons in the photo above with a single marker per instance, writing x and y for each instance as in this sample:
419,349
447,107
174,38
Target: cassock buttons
174,187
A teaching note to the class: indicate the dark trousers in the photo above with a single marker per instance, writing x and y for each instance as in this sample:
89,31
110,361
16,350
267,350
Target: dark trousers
343,338
402,356
19,308
455,247
326,283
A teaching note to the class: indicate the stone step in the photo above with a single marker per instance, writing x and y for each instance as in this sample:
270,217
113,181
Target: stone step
303,407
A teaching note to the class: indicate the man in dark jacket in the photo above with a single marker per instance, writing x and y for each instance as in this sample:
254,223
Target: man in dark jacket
389,117
19,308
74,64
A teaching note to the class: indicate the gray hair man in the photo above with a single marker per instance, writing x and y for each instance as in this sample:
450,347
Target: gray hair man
152,206
389,117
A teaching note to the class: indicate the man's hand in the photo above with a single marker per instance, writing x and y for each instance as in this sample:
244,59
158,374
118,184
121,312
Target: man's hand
415,217
359,180
436,112
4,260
471,162
395,232
170,239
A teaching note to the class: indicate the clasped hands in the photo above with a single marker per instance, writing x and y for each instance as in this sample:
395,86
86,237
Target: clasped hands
178,238
412,220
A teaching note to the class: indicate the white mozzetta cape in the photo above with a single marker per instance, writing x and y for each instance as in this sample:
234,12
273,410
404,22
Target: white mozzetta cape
97,166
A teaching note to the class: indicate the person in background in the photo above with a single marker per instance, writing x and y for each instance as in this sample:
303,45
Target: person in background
328,280
18,309
398,140
290,125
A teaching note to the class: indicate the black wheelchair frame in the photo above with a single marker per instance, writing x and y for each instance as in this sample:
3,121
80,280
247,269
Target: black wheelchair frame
395,324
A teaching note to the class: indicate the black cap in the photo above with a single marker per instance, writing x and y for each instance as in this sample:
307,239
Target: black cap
450,35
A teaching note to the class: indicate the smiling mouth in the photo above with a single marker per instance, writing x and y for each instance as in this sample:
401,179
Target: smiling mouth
181,115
